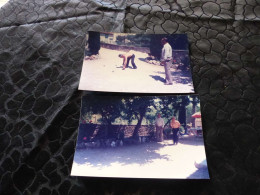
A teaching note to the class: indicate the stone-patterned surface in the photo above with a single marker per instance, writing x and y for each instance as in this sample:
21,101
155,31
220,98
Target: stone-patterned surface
41,52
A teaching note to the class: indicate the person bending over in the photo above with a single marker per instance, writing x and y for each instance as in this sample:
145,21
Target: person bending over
126,58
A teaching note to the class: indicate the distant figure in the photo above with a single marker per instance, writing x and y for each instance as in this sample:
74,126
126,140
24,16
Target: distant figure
159,124
126,58
166,60
175,125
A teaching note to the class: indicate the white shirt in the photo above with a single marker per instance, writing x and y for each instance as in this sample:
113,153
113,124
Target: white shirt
159,122
166,52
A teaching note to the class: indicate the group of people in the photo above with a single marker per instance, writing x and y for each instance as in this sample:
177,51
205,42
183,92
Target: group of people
166,60
159,125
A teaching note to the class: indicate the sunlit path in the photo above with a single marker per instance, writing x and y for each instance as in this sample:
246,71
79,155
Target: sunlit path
148,160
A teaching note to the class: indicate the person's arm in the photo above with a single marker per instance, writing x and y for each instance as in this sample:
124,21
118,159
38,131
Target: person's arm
124,62
163,56
171,125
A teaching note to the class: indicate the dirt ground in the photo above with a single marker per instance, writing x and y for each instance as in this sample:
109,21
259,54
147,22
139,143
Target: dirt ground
147,160
106,74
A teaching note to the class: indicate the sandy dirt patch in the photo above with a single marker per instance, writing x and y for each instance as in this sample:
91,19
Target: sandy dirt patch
106,74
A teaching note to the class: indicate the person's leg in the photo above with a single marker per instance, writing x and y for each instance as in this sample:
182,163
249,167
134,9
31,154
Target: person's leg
173,135
127,62
133,61
168,75
177,138
161,133
157,134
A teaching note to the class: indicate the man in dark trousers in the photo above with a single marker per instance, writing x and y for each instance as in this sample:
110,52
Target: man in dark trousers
175,125
126,58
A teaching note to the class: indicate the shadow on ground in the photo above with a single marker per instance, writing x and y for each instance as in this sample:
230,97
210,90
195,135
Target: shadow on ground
157,78
140,154
201,172
178,77
142,59
192,140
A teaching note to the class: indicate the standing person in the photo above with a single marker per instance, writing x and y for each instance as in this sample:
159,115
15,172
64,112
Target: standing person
175,125
159,124
126,58
166,60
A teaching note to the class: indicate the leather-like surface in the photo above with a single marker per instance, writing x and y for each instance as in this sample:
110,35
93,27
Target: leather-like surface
41,53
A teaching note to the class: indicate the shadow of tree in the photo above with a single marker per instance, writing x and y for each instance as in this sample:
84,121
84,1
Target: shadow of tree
177,76
142,59
139,154
201,172
192,140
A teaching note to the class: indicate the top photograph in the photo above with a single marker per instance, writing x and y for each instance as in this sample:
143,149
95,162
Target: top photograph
136,63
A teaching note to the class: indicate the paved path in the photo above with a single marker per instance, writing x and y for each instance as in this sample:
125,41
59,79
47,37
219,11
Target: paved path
148,160
106,74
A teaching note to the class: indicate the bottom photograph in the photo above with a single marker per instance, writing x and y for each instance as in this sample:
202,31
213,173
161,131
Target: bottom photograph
140,137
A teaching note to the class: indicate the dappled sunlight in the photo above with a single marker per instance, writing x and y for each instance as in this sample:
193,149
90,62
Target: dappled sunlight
149,160
139,154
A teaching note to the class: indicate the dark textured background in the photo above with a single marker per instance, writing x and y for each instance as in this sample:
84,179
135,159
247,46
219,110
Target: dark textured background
41,52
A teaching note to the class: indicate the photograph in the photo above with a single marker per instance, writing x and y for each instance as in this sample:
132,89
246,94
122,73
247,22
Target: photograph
140,137
136,63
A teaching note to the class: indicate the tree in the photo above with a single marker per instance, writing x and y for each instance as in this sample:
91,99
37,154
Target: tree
173,106
109,107
168,107
120,39
194,100
182,110
94,42
136,108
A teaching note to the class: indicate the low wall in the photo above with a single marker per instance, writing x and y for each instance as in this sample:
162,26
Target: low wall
88,132
125,48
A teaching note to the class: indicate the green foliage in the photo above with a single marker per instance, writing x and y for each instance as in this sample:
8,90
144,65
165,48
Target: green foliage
108,107
139,110
137,40
120,39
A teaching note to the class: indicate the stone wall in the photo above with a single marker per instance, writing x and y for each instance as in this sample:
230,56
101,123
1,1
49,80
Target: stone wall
89,132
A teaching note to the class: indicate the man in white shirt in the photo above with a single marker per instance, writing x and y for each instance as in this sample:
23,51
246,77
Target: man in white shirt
166,60
159,124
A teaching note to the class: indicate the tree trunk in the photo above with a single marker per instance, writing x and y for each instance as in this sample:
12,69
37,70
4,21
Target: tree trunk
94,42
138,125
182,116
193,111
156,46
